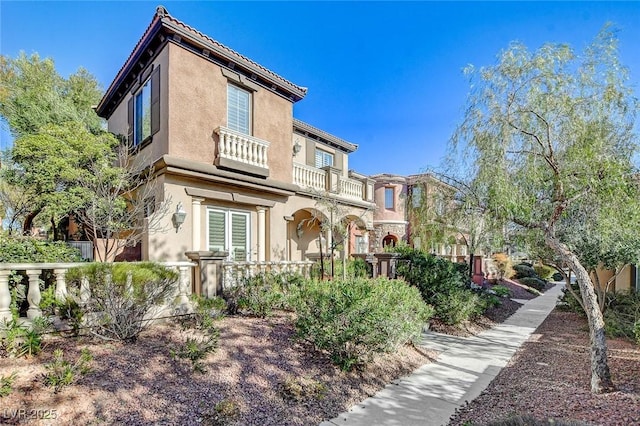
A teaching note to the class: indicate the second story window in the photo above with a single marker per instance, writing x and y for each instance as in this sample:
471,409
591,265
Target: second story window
416,196
323,158
238,109
389,198
142,117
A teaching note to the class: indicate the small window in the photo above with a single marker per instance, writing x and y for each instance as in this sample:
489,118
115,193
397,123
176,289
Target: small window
238,109
323,158
416,196
142,115
389,197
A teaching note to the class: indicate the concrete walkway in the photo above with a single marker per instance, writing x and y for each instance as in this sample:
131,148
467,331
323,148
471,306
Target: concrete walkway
464,368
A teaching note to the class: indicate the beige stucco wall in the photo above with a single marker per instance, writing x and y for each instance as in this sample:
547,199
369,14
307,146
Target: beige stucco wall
198,106
118,122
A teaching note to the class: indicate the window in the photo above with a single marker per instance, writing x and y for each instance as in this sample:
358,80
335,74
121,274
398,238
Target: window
144,108
238,109
228,230
142,118
323,158
416,196
361,244
389,198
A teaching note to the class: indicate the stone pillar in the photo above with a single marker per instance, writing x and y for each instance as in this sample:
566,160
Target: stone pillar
33,295
5,297
61,284
208,274
196,216
262,231
182,301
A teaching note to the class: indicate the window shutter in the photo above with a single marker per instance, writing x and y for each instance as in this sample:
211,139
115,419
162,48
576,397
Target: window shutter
319,158
310,150
238,104
216,230
239,237
155,101
130,112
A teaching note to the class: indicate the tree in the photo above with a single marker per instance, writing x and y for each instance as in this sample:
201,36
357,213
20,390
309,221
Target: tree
33,95
549,138
125,201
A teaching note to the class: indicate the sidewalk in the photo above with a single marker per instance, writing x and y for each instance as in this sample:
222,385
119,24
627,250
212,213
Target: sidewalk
464,368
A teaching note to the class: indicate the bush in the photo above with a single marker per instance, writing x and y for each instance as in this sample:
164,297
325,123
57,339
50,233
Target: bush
354,319
543,271
123,295
458,306
6,384
557,276
622,316
61,373
300,388
20,340
442,284
503,263
523,271
533,282
501,291
567,302
261,294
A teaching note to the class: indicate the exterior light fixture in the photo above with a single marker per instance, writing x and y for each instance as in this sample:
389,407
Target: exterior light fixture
178,217
296,148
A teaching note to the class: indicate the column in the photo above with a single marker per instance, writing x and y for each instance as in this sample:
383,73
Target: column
5,297
61,284
33,295
196,216
261,233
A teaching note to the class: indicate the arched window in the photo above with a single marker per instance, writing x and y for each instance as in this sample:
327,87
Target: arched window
389,241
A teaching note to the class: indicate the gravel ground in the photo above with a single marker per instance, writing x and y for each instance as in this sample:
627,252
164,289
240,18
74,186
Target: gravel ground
140,383
549,378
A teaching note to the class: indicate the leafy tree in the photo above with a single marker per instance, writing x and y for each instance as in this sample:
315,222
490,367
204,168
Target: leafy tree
33,95
549,138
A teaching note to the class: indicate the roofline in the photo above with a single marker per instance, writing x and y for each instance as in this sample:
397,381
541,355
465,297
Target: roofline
324,136
163,20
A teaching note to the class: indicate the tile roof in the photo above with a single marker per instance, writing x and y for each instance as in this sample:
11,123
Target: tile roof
161,19
301,125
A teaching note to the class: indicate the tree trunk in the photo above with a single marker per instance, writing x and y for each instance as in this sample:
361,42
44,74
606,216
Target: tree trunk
471,271
28,221
600,374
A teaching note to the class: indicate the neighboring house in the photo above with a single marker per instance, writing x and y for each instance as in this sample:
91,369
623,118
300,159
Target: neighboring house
228,153
408,209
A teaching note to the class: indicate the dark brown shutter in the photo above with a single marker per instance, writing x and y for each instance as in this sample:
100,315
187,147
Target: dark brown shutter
155,101
130,112
311,153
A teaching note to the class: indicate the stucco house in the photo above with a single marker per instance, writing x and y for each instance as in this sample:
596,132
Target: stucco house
241,171
399,198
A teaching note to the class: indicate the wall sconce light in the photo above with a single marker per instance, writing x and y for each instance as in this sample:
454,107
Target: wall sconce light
178,217
296,148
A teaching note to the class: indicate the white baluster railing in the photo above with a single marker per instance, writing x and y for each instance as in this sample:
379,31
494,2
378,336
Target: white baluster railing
235,272
351,188
309,177
243,148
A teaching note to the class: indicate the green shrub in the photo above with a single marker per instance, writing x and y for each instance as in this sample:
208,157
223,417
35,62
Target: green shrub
196,349
354,319
442,284
533,282
6,384
622,316
358,268
61,373
501,290
300,388
123,295
458,306
523,271
557,276
261,294
24,340
543,271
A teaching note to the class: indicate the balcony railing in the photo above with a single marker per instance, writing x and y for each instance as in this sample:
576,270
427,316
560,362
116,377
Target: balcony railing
246,149
312,178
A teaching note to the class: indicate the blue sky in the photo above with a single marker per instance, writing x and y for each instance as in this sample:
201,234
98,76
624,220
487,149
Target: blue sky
384,75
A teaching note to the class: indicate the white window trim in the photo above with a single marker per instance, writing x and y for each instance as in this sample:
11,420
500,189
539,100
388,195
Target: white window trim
393,197
325,154
249,109
227,231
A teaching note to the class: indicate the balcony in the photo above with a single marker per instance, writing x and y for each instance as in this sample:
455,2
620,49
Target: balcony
331,180
237,151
